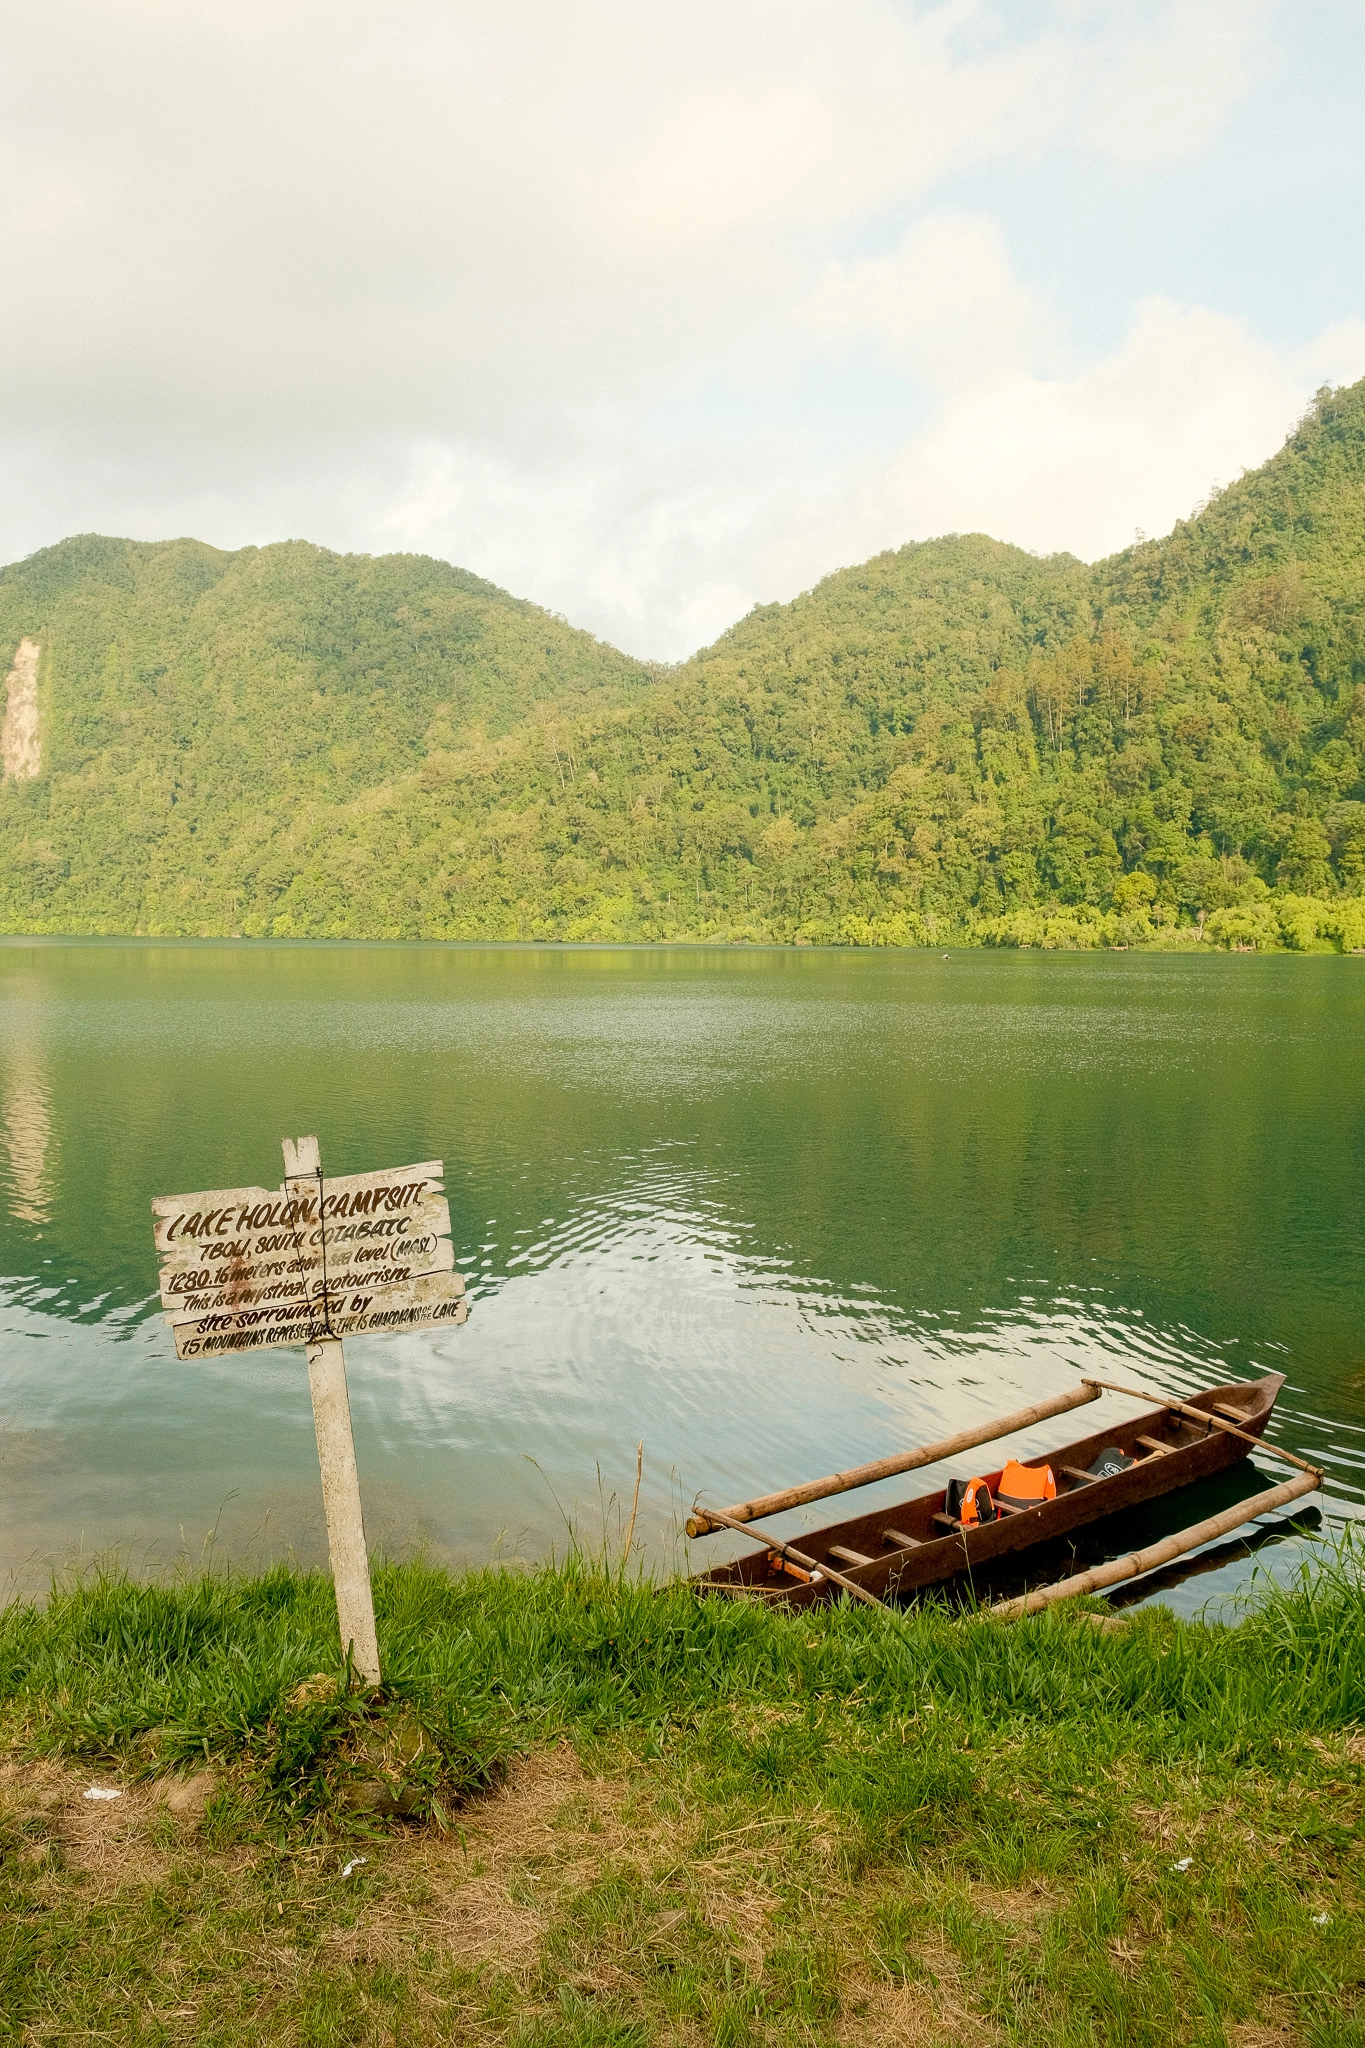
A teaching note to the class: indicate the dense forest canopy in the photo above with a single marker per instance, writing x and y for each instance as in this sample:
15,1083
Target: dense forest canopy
955,741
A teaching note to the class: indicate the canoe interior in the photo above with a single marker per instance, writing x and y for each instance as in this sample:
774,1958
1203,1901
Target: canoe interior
895,1549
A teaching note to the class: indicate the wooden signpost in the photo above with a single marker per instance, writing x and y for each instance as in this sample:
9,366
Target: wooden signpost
310,1263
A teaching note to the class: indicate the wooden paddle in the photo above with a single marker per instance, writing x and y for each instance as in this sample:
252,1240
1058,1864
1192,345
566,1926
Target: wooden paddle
703,1520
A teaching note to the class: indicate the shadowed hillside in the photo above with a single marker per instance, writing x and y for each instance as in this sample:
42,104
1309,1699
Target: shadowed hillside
954,740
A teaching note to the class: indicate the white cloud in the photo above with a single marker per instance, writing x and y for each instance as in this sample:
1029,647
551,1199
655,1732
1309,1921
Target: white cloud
660,562
282,217
944,304
1136,439
1182,69
628,308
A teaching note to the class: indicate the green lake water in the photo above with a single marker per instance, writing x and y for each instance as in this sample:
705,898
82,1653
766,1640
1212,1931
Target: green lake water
769,1212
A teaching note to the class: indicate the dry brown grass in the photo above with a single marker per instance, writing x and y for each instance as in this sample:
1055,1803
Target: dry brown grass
1016,1906
503,1895
598,1876
485,1892
930,2013
109,1844
106,1840
1275,2029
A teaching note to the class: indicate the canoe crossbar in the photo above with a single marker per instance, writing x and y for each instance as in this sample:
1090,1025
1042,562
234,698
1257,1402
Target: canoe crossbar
704,1522
1212,1418
807,1563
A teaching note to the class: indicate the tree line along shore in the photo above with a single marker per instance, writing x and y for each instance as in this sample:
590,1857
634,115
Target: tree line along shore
956,742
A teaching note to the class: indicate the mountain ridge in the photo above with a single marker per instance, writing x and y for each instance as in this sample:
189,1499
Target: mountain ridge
956,740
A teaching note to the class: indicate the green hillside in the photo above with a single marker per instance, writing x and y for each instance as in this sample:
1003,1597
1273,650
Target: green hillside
954,740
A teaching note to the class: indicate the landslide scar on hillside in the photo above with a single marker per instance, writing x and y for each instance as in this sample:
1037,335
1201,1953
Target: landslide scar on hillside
20,751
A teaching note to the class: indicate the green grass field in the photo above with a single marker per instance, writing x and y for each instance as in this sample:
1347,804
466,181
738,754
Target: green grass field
631,1816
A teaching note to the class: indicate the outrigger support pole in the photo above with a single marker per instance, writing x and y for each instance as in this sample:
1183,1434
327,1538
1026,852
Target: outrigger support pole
702,1521
1138,1562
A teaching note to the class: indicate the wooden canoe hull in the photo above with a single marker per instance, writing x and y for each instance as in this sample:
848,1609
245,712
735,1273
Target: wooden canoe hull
895,1570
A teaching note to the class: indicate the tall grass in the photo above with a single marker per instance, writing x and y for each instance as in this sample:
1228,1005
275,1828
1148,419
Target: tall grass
494,1659
1021,1832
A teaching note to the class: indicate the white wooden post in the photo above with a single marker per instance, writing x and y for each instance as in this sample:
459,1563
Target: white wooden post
336,1457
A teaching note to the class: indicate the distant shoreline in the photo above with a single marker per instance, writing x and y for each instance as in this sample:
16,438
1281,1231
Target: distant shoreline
1293,926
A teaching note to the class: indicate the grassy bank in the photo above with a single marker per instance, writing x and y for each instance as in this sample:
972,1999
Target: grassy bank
636,1817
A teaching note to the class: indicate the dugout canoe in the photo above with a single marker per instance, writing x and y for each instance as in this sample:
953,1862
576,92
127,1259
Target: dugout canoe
893,1551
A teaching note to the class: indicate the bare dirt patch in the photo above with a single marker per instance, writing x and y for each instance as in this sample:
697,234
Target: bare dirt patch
487,1889
753,1721
1168,1826
33,1789
1348,1747
1274,2030
187,1798
106,1839
744,1919
547,1804
1021,1906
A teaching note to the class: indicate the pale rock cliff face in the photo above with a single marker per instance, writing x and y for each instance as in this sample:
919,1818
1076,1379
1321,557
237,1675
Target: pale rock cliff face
20,749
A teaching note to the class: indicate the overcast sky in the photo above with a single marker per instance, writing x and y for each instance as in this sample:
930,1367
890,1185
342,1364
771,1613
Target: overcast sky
654,312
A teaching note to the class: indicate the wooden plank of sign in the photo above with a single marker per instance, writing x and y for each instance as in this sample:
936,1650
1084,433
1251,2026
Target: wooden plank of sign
212,1204
248,1248
225,1214
300,1243
236,1288
431,1299
378,1255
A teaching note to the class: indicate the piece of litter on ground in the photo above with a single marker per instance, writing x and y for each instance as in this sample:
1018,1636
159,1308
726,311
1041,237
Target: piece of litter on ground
1322,1919
1183,1864
103,1792
354,1864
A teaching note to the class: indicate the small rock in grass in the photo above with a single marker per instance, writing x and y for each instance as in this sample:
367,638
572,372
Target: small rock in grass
188,1797
321,1686
383,1758
377,1796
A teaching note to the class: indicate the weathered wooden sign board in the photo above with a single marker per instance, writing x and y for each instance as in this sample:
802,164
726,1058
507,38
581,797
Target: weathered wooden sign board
309,1263
246,1267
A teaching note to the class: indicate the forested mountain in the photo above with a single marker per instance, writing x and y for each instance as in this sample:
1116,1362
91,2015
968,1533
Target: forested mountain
955,740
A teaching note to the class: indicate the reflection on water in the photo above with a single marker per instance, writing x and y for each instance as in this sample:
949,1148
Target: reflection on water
774,1213
27,1132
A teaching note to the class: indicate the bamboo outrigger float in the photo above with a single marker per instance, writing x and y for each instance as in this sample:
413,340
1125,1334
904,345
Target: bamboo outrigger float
890,1552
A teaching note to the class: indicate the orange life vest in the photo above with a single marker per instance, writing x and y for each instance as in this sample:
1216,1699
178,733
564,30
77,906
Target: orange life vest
969,1501
1025,1486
